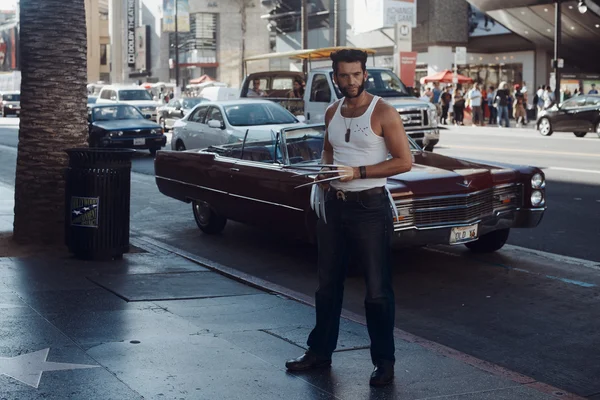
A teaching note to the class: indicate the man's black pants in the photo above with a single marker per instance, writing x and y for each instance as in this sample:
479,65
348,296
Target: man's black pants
362,228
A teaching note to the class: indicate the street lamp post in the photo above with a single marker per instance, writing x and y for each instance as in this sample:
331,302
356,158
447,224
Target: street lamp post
557,49
176,92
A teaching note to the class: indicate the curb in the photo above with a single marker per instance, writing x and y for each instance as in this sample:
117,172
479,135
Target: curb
144,241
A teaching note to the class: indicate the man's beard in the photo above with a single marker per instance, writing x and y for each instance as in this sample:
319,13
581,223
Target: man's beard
344,91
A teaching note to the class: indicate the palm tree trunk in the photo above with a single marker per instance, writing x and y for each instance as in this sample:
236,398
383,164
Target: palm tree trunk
53,113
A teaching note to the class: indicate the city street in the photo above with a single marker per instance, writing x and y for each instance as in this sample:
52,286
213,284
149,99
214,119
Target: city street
528,308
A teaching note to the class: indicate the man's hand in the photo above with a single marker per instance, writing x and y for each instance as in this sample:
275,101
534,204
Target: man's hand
347,173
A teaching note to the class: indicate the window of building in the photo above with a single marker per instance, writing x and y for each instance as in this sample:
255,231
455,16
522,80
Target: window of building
103,54
199,45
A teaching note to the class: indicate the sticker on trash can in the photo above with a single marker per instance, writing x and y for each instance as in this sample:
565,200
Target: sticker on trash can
84,211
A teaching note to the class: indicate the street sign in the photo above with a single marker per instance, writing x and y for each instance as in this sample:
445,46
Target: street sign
460,55
403,36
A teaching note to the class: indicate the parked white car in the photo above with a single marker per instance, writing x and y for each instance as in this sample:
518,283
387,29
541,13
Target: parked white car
217,123
133,95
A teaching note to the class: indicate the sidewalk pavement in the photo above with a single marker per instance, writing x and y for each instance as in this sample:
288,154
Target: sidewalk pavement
164,324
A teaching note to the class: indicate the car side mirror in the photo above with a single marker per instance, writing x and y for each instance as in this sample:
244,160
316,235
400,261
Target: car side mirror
301,118
213,123
148,116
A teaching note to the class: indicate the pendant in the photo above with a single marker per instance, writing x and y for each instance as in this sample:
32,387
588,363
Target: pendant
347,135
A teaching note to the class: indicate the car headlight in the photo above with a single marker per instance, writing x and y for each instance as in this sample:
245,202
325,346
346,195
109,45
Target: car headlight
156,132
538,182
432,114
10,106
537,198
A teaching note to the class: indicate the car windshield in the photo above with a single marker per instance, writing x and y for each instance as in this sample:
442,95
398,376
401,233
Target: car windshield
304,145
136,94
119,112
250,114
11,97
381,83
192,101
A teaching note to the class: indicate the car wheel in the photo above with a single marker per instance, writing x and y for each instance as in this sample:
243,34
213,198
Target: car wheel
598,129
489,242
153,150
429,147
545,127
580,134
179,146
207,220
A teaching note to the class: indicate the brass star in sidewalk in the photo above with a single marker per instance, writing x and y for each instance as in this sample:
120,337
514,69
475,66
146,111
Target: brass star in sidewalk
28,368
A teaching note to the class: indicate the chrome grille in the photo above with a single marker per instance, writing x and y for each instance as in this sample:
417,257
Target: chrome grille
506,197
140,132
458,209
412,118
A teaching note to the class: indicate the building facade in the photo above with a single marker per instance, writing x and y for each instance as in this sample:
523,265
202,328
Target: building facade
210,39
98,40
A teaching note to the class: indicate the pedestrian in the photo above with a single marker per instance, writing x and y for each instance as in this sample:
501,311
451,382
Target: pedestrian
445,100
491,95
475,98
361,130
593,90
540,103
519,112
549,98
459,107
501,104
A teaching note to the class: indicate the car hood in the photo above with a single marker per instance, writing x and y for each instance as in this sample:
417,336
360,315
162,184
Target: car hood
126,124
140,103
437,175
406,102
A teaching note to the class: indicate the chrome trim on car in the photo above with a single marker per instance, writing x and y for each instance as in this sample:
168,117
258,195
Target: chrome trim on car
191,184
266,202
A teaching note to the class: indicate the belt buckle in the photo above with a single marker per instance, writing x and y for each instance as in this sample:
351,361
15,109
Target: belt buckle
340,195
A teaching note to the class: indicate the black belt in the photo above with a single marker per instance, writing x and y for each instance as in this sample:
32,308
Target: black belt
356,196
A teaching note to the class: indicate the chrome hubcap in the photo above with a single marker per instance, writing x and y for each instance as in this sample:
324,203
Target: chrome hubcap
544,127
202,212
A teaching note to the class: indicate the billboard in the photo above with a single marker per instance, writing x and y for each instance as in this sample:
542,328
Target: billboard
142,47
372,15
481,24
408,67
182,10
9,48
131,33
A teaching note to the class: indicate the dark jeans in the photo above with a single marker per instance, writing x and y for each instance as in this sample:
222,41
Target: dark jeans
493,115
459,113
445,109
364,228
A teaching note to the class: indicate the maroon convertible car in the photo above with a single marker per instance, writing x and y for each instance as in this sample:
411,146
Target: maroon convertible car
442,200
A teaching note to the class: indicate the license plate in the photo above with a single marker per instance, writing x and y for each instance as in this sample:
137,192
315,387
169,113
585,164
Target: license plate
463,234
138,142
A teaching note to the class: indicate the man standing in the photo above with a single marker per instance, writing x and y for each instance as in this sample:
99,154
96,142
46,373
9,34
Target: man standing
361,130
593,90
475,97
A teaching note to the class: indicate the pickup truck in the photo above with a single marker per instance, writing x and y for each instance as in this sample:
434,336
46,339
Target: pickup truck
419,117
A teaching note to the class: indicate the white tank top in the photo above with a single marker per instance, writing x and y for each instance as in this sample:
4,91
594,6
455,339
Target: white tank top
364,148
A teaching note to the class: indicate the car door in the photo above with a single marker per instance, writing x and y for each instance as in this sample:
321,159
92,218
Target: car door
563,120
590,113
256,185
215,136
194,129
319,99
577,114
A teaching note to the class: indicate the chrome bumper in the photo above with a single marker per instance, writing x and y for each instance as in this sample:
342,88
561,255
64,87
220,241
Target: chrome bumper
421,236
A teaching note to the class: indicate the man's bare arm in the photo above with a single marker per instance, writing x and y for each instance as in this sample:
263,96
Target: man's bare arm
397,144
327,154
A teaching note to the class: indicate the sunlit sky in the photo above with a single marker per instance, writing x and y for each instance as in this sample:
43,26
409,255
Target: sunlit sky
8,4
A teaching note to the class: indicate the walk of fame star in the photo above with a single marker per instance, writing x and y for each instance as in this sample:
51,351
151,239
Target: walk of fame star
28,368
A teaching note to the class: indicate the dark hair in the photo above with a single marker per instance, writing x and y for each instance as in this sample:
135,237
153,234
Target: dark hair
300,82
349,56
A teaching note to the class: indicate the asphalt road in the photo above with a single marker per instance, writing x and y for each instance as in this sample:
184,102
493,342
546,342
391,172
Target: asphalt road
531,312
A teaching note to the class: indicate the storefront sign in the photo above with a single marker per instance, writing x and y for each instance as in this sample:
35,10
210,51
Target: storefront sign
408,67
372,15
131,33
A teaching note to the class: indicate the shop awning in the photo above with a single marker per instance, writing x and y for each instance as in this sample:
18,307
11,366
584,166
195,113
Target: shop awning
446,76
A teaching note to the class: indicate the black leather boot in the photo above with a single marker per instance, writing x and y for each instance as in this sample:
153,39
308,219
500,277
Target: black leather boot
308,361
383,374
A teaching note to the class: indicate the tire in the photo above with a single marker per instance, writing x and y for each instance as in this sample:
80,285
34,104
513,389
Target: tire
489,242
580,134
598,129
429,147
545,127
207,220
153,151
179,146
